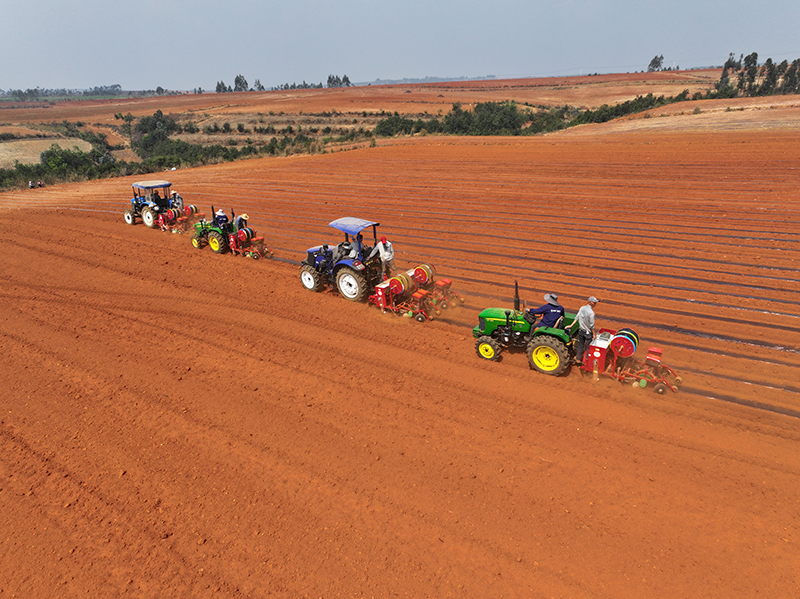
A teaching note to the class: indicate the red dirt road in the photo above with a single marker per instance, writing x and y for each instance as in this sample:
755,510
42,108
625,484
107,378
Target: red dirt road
181,424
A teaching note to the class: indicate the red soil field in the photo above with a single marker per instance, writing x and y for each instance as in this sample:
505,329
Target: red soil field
413,98
181,424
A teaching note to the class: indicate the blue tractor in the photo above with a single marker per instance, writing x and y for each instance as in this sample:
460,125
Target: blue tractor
151,198
345,265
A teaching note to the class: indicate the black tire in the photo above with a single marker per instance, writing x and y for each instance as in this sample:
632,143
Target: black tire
148,217
217,243
310,278
421,317
548,355
351,284
129,217
198,242
488,349
660,388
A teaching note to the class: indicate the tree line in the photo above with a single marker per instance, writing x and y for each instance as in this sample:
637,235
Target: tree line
240,85
744,77
152,139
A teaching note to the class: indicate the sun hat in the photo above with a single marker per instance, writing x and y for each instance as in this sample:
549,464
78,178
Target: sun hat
592,299
551,298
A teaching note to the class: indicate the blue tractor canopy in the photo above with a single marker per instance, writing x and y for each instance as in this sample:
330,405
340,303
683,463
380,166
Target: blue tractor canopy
146,189
349,225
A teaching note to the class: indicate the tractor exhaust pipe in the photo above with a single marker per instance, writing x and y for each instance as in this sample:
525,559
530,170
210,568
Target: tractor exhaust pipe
516,296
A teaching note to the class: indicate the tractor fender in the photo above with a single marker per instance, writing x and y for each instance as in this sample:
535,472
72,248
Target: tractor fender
559,334
353,263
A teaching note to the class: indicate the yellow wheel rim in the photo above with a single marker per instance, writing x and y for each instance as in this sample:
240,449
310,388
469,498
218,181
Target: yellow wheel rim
196,242
214,243
486,350
545,358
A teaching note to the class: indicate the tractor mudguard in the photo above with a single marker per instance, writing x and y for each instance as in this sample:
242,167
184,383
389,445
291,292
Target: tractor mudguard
560,334
353,263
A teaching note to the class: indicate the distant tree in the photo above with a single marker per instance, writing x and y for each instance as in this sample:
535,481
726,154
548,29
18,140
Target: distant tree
656,64
257,86
733,64
240,84
769,78
198,90
723,87
791,78
751,67
334,81
222,88
127,125
346,81
160,91
458,121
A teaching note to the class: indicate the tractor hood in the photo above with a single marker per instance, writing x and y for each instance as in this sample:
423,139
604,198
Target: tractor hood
491,318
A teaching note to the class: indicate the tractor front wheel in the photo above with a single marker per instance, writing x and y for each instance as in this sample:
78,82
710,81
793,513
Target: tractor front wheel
129,217
148,217
488,349
352,285
197,241
310,278
548,355
217,243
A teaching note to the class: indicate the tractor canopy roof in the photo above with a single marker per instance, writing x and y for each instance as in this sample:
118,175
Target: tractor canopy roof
351,225
151,184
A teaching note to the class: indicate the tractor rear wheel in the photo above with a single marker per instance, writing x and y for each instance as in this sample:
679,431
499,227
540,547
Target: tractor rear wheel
352,285
129,217
548,355
487,348
310,278
217,243
148,217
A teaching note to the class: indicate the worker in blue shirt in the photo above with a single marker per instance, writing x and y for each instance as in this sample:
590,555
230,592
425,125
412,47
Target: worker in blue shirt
551,312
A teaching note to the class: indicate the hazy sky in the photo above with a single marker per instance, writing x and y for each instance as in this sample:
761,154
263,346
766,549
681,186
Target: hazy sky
185,44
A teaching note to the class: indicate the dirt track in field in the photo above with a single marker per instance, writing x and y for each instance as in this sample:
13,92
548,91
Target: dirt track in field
177,423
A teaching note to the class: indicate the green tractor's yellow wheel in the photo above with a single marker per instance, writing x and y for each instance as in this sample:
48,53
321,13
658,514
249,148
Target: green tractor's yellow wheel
548,355
545,358
217,243
487,348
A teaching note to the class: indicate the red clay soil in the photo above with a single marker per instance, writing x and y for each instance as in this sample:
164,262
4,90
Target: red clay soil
177,423
413,98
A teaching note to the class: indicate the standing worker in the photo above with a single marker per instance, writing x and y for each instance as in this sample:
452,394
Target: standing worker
551,312
585,320
385,249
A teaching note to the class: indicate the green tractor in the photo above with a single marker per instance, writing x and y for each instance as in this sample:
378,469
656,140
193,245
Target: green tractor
549,349
223,235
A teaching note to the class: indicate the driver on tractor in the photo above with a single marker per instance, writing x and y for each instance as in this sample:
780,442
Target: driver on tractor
220,218
552,312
